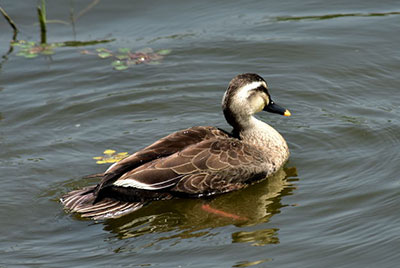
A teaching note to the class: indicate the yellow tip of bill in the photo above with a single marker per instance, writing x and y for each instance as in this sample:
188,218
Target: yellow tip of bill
287,113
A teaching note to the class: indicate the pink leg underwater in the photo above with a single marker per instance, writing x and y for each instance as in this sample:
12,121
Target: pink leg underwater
208,208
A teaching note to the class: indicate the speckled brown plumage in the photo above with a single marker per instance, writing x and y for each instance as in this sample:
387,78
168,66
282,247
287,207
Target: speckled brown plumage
197,161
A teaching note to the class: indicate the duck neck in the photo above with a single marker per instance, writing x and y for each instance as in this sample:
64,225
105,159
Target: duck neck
238,121
243,122
254,128
264,137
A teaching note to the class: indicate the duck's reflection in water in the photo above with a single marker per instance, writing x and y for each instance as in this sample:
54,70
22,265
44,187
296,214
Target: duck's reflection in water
187,218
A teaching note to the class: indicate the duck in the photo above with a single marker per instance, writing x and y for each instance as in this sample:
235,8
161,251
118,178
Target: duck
196,162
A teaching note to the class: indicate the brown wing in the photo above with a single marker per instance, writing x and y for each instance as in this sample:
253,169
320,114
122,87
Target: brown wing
166,146
214,165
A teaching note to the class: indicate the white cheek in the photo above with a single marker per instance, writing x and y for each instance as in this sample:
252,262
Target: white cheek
258,104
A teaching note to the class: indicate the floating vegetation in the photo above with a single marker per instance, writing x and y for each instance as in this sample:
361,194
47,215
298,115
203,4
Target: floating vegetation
124,58
110,156
32,49
121,60
339,15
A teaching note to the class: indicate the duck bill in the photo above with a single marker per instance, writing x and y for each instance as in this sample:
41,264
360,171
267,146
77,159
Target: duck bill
272,107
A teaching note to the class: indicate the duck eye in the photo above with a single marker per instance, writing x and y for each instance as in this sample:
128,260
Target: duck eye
260,88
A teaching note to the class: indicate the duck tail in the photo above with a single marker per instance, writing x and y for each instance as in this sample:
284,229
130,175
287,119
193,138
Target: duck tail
82,202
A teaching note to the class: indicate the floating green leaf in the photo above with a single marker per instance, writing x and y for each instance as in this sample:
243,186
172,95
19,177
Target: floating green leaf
101,49
116,63
124,50
30,55
32,49
104,55
164,52
120,65
122,57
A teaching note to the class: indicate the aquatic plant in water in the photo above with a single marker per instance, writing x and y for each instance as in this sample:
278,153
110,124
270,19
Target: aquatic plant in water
124,58
110,156
32,49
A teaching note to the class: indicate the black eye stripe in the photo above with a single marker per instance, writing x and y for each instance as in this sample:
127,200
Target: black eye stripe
256,91
262,89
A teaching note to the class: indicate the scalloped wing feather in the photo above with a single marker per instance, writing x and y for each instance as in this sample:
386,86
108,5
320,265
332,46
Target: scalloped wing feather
216,165
166,146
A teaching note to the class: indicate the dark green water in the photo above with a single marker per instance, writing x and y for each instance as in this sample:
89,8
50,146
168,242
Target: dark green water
336,66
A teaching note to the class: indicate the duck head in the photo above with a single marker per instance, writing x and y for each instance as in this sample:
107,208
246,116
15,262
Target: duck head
246,95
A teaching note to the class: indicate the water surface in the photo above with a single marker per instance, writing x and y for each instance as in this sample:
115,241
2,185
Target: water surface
334,65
